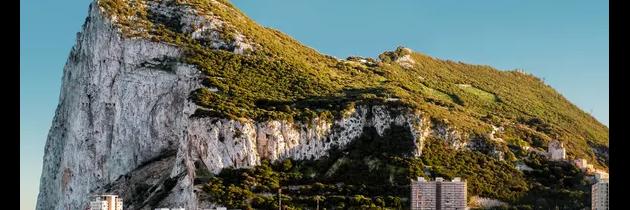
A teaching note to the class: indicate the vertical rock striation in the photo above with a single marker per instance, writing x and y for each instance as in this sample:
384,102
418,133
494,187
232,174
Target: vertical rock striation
123,125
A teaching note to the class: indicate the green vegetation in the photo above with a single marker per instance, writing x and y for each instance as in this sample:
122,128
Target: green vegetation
489,97
375,171
283,79
371,172
486,176
555,185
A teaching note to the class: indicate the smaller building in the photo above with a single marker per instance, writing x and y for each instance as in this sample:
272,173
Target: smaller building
106,202
581,163
99,205
556,151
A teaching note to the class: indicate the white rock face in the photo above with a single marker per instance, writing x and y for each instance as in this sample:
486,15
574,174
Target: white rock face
222,143
523,167
481,202
493,132
113,114
123,126
450,135
406,61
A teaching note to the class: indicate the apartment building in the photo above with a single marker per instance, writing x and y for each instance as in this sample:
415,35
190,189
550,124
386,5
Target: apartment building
599,195
438,194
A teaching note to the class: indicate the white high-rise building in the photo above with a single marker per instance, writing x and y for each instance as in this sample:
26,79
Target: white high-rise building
438,194
599,195
452,195
423,194
600,176
106,202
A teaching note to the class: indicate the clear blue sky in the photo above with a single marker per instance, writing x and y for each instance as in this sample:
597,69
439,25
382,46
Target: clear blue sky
563,41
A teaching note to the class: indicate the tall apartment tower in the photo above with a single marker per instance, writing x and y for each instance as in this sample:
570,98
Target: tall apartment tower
423,194
452,195
599,195
106,202
438,194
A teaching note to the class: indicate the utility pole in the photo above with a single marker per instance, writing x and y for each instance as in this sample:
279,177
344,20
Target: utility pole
317,199
280,198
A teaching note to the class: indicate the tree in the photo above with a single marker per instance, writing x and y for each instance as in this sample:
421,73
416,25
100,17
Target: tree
394,201
287,165
379,201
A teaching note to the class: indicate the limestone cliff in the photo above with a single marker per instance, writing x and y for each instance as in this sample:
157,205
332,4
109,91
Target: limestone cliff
126,122
120,120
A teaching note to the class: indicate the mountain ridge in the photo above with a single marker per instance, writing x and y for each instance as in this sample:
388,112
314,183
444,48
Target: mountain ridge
174,85
314,60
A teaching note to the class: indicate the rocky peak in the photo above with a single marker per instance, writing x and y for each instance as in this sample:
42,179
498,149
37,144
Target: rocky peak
154,90
159,20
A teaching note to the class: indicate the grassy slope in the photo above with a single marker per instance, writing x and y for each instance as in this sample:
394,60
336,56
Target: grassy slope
285,79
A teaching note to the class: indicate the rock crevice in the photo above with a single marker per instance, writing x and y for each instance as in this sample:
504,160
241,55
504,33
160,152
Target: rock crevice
124,126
